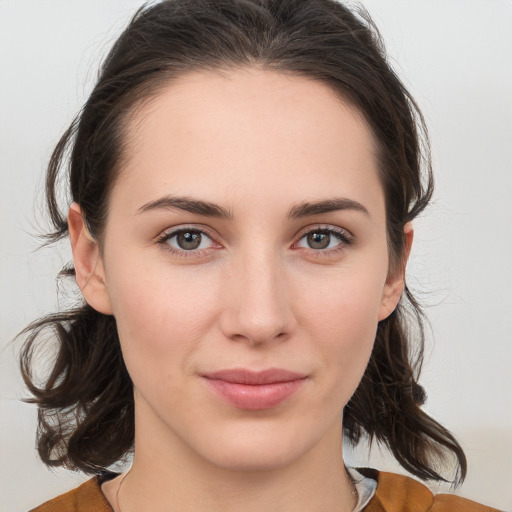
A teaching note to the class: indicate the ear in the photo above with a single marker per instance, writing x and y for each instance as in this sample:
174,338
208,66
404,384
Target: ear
395,282
89,268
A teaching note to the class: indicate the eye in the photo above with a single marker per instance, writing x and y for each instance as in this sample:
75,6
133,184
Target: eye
324,239
186,240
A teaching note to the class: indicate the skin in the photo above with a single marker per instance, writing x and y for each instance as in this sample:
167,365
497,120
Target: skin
255,294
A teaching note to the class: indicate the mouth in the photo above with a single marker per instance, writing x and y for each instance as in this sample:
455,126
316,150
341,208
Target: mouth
250,390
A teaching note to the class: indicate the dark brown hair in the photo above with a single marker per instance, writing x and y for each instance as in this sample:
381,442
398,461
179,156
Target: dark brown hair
86,409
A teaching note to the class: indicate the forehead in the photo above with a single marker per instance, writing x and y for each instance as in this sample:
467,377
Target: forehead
238,129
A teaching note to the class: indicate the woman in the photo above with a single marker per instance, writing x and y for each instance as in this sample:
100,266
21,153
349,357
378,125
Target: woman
243,180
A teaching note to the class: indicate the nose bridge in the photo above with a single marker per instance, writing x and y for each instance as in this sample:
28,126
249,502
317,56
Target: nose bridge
258,308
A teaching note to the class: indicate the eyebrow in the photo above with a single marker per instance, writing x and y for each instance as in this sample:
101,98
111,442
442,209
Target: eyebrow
189,205
305,209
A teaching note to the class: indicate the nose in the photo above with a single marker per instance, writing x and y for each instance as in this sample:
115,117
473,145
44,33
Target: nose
258,307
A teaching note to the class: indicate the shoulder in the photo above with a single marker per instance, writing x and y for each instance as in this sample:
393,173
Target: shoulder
398,493
85,498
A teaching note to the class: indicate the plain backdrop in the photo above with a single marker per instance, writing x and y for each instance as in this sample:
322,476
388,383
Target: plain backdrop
454,55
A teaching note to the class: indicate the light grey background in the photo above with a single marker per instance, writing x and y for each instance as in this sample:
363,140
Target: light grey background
454,55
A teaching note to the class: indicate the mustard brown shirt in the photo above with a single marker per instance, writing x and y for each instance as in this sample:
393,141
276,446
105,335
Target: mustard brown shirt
395,493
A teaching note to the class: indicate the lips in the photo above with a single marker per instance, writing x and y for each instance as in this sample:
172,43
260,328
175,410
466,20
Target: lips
249,390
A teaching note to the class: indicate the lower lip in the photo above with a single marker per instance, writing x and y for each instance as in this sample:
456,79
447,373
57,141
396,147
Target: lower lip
254,397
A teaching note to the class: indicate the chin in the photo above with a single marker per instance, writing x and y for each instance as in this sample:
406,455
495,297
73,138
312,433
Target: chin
250,457
258,447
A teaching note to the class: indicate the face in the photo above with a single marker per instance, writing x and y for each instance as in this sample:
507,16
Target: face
245,261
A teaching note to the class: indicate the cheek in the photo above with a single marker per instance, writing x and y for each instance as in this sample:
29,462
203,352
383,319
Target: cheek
342,319
161,315
344,301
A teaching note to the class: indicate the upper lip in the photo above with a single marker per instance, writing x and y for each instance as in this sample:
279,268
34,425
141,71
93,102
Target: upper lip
254,378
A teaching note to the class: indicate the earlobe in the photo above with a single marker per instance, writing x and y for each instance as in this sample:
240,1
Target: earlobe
395,282
89,268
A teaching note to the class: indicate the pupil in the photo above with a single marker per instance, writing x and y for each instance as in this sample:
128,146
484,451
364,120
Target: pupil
318,240
188,240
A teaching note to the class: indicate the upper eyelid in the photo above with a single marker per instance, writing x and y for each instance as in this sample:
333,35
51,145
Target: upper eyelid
323,227
170,232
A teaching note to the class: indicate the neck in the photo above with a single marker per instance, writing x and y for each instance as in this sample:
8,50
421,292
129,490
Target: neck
175,479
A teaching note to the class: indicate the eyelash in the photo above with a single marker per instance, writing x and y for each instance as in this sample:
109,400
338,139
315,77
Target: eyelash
344,237
183,253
